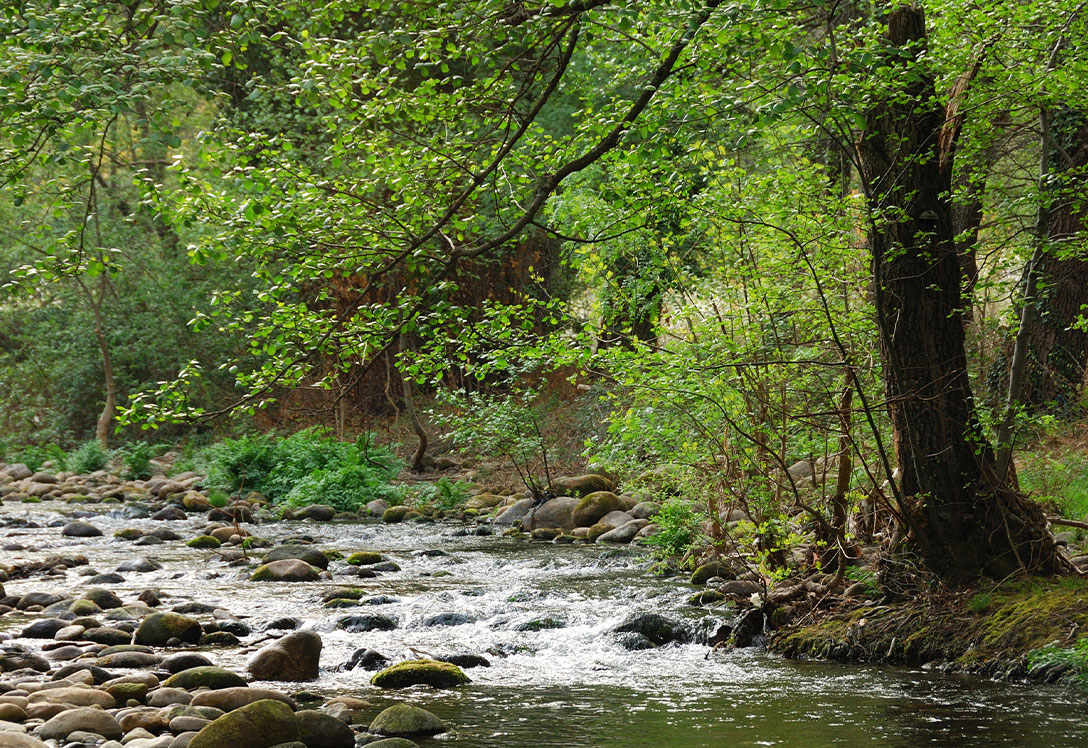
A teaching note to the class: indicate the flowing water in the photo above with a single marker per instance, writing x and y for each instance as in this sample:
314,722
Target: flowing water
571,685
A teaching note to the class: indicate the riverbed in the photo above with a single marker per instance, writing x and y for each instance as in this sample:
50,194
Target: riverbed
541,614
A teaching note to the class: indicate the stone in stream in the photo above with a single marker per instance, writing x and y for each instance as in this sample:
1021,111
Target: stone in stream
656,628
624,533
420,672
294,657
365,558
366,659
159,628
128,660
596,505
204,541
465,660
86,719
207,676
11,739
447,619
172,513
723,569
175,663
557,513
393,743
43,628
261,724
229,699
107,635
513,513
360,624
319,730
312,556
402,720
43,599
105,599
286,570
316,513
17,660
139,565
80,530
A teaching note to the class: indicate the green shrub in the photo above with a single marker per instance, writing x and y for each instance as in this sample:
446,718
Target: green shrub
442,494
136,459
308,467
90,456
681,528
1075,658
34,456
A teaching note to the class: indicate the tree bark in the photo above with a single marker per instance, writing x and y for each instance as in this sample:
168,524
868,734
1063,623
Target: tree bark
963,519
1057,351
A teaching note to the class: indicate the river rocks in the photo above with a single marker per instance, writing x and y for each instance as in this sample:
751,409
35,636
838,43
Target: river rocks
206,676
128,660
625,533
656,628
644,509
447,619
159,628
484,501
365,659
312,556
319,730
420,672
74,696
402,720
104,599
595,506
366,622
229,699
583,484
467,660
80,530
365,558
89,720
514,513
555,513
293,657
316,513
261,724
139,565
12,739
722,569
43,628
175,663
396,514
204,542
285,570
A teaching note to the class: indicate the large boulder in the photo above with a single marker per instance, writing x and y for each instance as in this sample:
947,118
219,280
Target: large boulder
159,628
514,513
656,628
229,699
86,719
205,676
583,485
285,570
367,622
73,695
595,506
624,533
261,724
306,553
320,730
80,530
420,672
10,739
555,513
293,657
723,569
402,720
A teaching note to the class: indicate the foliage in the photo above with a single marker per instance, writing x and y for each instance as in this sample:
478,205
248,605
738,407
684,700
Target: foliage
442,494
34,456
681,529
306,467
1057,476
1074,659
88,457
136,459
979,603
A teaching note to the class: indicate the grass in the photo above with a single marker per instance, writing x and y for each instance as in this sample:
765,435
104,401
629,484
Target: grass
1055,472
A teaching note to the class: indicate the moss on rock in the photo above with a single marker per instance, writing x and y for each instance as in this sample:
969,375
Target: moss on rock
206,676
258,725
402,720
420,672
365,558
204,541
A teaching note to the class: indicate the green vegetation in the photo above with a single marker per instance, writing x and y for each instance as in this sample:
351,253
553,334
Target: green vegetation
90,456
681,528
1057,474
1073,661
307,467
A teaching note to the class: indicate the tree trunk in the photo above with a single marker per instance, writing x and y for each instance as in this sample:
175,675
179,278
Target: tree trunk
963,520
418,457
105,419
1058,351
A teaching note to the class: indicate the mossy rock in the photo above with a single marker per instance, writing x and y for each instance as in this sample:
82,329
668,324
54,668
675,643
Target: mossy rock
711,570
129,533
342,602
546,533
420,672
261,724
207,676
583,485
285,570
393,743
310,555
402,720
122,692
594,506
84,607
396,514
204,541
484,501
159,628
597,531
367,558
343,593
706,597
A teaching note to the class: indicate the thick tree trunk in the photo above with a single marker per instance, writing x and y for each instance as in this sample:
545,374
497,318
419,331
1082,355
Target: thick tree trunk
109,409
1058,351
964,520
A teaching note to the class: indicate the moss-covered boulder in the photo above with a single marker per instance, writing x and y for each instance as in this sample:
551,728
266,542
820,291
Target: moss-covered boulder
306,553
402,720
365,558
129,533
713,569
104,599
204,541
594,506
420,672
583,485
261,724
159,628
597,530
484,501
393,743
554,513
396,514
207,676
84,608
285,570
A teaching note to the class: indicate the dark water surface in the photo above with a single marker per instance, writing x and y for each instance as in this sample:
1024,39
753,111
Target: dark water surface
567,686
